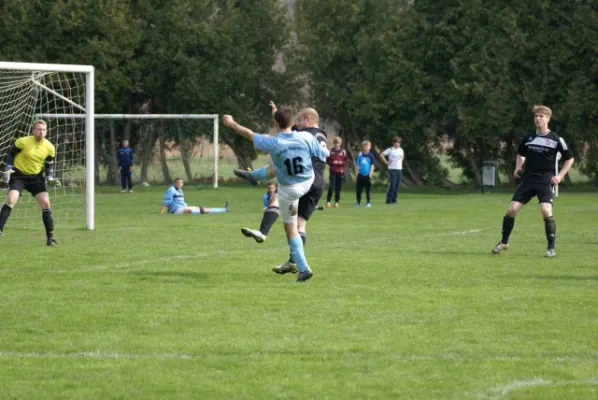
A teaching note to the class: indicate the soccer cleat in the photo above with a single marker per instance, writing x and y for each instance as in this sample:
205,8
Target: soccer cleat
357,204
51,241
286,268
368,204
305,275
335,205
500,246
241,173
227,205
328,205
130,190
550,253
257,235
123,191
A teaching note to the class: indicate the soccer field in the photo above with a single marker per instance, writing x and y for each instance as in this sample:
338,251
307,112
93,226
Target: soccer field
406,302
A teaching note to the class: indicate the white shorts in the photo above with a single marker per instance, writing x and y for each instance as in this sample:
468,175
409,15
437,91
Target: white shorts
181,210
288,199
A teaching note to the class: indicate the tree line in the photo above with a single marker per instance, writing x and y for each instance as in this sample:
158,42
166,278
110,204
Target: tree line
445,75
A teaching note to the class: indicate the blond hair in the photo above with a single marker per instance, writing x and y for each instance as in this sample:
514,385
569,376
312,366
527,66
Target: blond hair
366,142
311,113
542,110
39,122
337,140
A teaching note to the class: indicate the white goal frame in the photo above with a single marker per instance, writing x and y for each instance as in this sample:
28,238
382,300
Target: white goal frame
87,112
213,117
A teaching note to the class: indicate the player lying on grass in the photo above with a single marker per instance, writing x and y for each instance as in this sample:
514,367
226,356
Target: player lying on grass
291,154
25,163
174,202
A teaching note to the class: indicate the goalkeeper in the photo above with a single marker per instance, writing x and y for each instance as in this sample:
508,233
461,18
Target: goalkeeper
25,162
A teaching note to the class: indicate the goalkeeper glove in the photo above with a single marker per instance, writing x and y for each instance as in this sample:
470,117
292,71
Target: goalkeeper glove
53,182
6,173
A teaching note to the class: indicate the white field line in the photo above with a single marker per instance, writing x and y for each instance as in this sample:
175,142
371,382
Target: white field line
502,391
224,253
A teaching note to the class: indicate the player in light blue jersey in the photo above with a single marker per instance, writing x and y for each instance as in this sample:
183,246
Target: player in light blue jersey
174,202
291,154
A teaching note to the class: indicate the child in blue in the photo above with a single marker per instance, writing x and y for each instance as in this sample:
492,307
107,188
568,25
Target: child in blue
125,164
291,154
174,202
365,165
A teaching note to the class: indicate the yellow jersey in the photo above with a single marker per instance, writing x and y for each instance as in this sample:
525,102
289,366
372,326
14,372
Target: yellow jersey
30,160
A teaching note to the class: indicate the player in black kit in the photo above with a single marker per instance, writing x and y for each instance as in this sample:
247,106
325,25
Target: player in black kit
538,151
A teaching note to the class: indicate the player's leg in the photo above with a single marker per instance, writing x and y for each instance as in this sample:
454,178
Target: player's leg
268,219
390,189
257,175
398,185
11,201
358,190
331,187
545,196
508,223
289,210
368,191
123,180
338,183
129,180
43,199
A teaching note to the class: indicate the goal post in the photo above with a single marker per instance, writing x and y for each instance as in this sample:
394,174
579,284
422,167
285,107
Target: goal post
30,90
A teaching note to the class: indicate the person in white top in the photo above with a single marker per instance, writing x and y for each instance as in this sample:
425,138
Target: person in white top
393,157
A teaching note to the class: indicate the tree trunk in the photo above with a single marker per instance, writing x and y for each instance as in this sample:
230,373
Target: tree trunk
112,177
244,159
96,172
414,176
473,165
148,136
162,147
185,153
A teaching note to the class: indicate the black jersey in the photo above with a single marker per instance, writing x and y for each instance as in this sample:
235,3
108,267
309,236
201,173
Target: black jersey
540,152
318,165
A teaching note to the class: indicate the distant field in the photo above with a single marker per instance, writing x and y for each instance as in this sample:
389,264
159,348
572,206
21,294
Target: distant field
406,302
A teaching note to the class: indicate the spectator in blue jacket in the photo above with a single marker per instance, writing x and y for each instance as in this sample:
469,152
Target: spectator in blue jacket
125,165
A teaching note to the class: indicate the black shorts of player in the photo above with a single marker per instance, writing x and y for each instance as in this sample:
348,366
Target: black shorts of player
34,184
527,190
309,201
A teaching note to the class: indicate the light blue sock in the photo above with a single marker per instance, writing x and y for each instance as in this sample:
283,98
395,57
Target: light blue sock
195,212
296,245
217,210
260,174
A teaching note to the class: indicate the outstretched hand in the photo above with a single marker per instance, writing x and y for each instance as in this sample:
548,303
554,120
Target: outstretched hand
54,182
228,120
272,106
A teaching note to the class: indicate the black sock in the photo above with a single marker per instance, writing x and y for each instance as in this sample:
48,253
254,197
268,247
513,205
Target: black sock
507,226
550,226
48,221
269,218
4,214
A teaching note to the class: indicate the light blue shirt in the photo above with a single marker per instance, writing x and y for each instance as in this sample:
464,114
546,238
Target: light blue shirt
291,155
174,199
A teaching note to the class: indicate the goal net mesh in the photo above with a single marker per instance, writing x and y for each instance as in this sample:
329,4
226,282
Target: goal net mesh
27,96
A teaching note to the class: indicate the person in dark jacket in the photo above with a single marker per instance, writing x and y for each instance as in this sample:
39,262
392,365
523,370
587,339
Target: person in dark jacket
125,165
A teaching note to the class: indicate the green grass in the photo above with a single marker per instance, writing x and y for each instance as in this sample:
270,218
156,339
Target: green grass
406,302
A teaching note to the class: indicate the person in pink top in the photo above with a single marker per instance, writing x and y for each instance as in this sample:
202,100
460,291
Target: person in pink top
337,161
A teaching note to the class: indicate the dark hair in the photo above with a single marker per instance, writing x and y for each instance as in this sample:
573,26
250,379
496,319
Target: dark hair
396,139
284,117
177,179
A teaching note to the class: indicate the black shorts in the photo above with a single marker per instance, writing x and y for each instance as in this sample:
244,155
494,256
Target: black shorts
527,190
309,201
34,184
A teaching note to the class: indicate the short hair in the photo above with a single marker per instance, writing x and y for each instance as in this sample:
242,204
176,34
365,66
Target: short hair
396,139
309,112
284,117
270,184
39,122
543,110
178,178
366,143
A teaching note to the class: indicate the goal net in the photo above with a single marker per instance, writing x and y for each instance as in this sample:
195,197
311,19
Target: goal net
29,92
164,146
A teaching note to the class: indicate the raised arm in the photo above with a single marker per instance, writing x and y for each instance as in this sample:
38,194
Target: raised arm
240,129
